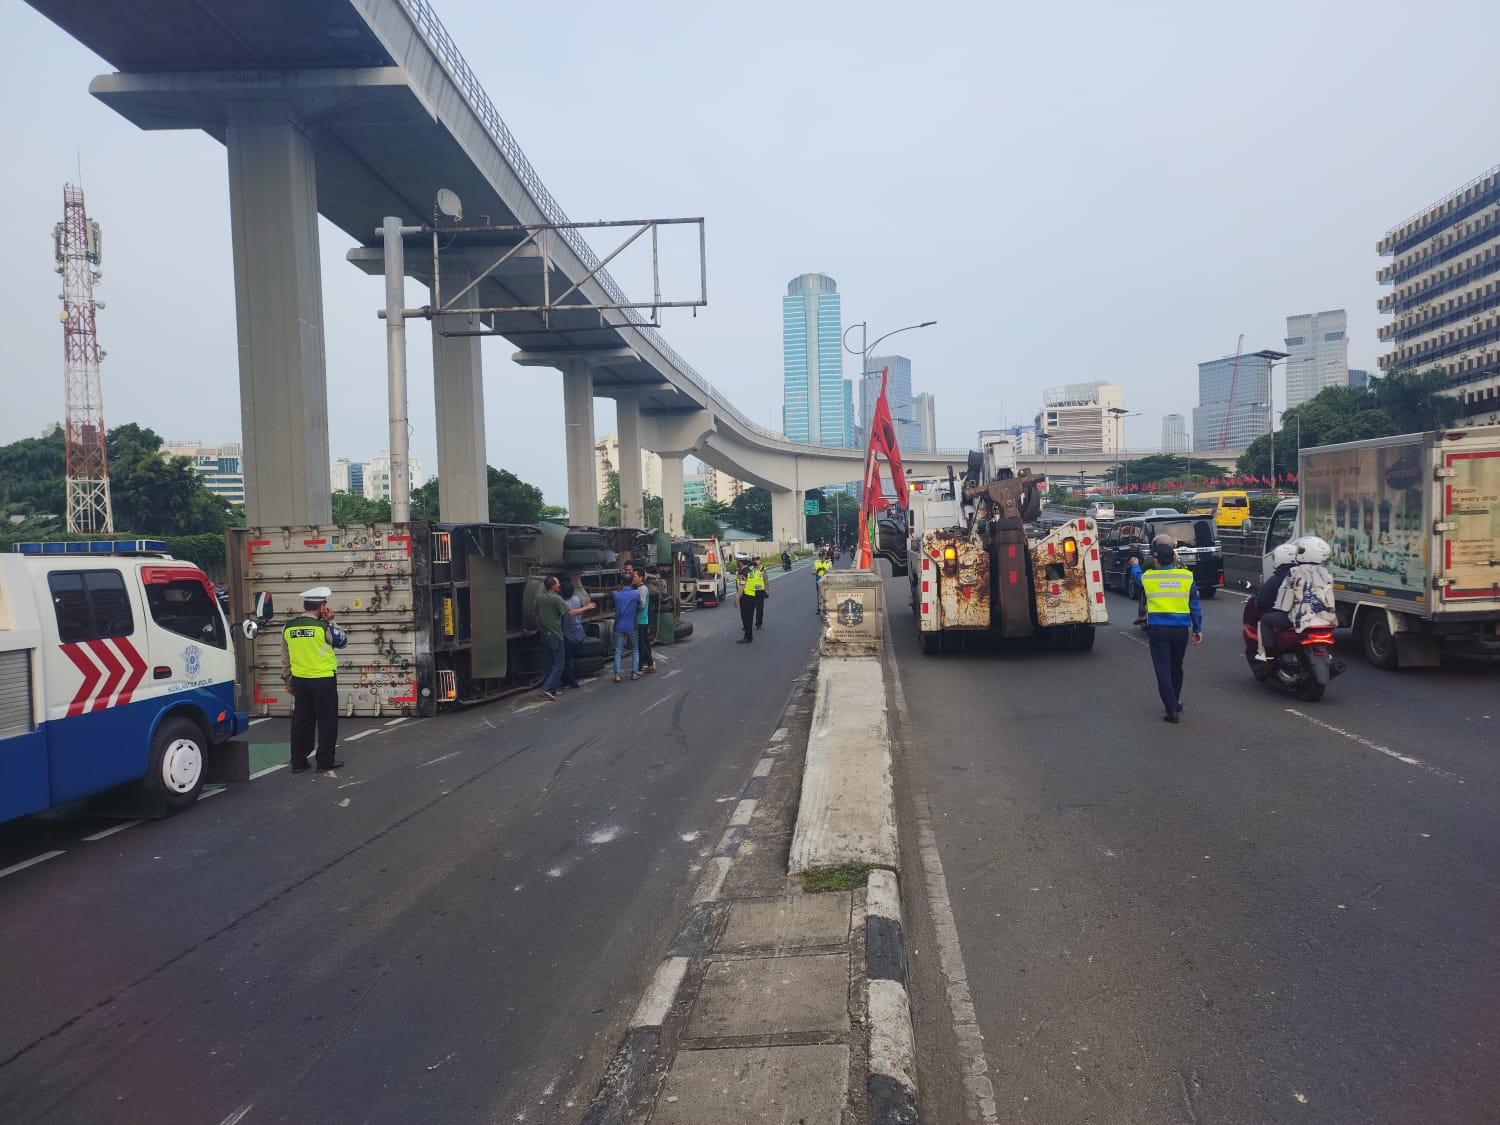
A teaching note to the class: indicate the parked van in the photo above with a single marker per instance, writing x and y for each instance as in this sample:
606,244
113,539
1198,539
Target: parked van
1230,509
116,665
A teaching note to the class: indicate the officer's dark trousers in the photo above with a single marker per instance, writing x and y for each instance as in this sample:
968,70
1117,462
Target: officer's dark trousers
760,609
317,706
747,615
1168,647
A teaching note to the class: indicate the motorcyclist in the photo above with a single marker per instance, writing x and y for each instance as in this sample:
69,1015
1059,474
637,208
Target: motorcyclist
1273,620
1307,594
786,560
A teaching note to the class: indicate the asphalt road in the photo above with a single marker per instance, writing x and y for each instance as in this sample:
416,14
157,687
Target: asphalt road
1273,912
454,929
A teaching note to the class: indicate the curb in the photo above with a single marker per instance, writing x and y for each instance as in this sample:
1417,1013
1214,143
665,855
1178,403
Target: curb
892,1079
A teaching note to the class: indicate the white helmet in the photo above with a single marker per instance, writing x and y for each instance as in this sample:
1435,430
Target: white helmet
1313,549
1285,554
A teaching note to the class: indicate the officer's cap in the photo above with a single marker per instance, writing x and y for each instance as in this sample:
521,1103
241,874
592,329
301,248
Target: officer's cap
317,594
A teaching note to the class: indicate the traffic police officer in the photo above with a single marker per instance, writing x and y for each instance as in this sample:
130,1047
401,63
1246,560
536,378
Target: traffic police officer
309,669
1172,610
750,595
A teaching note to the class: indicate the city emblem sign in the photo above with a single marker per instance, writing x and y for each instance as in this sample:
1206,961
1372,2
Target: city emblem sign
851,611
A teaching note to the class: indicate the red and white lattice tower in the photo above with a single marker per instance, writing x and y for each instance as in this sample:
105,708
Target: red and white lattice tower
77,242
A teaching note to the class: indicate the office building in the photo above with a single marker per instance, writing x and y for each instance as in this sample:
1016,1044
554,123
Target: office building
1359,380
1317,347
1234,403
1444,299
219,467
1077,418
1174,435
924,411
818,402
898,397
377,476
607,460
347,476
694,489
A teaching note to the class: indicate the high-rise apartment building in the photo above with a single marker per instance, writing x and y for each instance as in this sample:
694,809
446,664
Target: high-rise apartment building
1444,301
722,486
377,476
1078,418
1174,435
1317,347
1234,403
924,407
607,460
219,467
818,402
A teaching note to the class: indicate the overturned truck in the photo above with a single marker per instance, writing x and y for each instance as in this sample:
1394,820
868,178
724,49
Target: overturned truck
438,614
979,565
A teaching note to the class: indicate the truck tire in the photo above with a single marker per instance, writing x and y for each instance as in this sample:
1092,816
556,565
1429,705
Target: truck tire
1083,637
583,541
1206,592
583,556
528,602
588,665
591,646
682,631
1379,644
179,763
930,643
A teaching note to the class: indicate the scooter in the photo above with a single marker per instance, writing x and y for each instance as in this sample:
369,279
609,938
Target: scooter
786,565
1303,663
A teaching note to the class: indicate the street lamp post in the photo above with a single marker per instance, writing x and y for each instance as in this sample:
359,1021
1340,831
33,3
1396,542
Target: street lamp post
1120,414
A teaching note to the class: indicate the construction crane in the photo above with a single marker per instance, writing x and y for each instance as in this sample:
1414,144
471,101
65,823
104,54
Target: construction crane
1234,376
77,244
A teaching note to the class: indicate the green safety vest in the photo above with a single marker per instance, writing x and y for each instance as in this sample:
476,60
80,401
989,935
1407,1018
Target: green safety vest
1168,591
755,582
309,649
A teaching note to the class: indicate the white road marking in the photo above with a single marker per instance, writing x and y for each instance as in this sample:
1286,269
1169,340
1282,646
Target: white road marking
344,804
362,734
393,722
13,868
1379,749
657,1001
262,719
270,769
674,672
1133,637
778,734
763,767
111,831
658,703
743,812
207,793
238,1115
713,879
443,758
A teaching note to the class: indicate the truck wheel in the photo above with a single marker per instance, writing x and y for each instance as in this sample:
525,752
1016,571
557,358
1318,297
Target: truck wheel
583,541
178,763
1206,592
1380,646
1131,591
930,643
1083,637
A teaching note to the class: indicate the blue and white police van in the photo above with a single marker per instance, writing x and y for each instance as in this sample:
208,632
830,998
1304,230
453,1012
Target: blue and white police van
116,665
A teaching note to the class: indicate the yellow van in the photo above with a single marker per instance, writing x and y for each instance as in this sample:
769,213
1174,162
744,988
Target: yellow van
1229,509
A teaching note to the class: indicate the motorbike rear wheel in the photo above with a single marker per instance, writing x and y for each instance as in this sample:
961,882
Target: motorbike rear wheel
1311,691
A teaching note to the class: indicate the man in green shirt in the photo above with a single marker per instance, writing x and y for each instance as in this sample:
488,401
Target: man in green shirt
550,611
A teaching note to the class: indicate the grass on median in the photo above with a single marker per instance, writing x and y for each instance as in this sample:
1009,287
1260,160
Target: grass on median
841,877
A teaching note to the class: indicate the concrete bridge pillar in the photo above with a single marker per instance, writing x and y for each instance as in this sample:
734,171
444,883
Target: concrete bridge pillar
632,491
671,492
787,520
273,219
577,367
458,388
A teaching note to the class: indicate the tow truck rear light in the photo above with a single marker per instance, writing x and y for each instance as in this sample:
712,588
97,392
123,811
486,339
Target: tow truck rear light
1070,551
950,561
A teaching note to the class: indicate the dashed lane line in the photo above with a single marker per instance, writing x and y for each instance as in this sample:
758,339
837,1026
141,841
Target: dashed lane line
32,862
270,769
1407,759
97,836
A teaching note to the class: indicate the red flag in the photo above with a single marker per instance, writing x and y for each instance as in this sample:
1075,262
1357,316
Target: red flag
882,440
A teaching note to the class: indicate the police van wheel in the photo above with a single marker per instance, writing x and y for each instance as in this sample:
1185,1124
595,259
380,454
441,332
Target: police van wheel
179,762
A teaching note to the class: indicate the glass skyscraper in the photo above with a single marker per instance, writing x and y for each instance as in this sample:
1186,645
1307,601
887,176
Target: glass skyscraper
1234,403
818,402
1317,347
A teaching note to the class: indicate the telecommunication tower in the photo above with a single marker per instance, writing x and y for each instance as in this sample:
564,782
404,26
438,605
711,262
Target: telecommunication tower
77,243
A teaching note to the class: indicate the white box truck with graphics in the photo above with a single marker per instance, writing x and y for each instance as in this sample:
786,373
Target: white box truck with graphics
116,665
1414,523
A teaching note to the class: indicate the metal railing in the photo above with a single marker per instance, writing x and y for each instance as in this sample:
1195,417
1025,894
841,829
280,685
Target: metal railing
436,36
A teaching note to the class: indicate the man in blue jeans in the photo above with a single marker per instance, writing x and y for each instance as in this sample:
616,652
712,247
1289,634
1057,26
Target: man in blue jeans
1172,616
550,611
627,605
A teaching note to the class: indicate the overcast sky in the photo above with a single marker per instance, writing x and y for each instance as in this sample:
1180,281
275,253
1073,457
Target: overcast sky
1073,191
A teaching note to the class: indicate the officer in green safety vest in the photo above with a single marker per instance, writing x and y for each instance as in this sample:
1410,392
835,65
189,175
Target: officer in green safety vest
751,593
1172,614
309,669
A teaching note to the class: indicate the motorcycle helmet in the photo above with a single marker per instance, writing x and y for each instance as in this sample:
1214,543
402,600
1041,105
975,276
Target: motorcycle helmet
1284,554
1313,549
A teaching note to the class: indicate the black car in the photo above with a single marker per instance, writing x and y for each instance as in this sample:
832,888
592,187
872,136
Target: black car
1198,549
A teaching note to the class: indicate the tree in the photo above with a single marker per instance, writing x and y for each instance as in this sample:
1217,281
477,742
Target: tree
156,495
348,508
697,523
752,511
512,500
719,509
609,503
1164,467
652,514
426,503
32,474
1415,400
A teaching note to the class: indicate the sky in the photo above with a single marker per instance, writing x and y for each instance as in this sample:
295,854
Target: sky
1079,192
